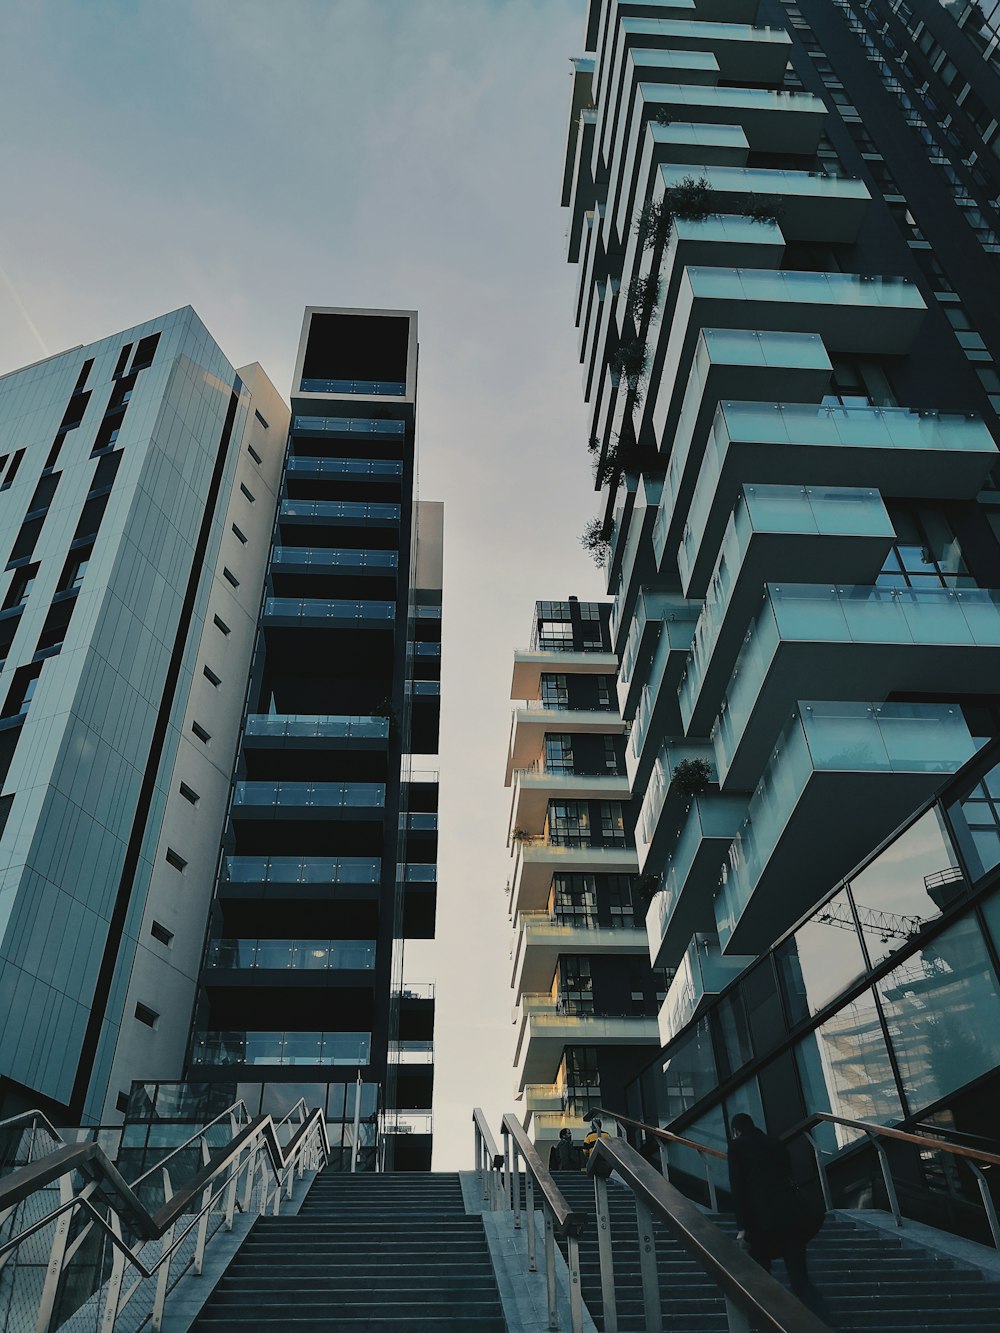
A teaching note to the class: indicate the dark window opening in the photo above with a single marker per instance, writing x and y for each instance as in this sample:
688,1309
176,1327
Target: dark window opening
146,1015
200,732
241,536
261,420
367,347
211,676
8,628
189,793
90,518
11,472
56,623
20,585
254,454
121,393
250,496
121,1103
44,492
85,370
57,444
221,624
74,412
161,933
122,360
145,352
175,859
24,543
104,474
107,435
230,577
22,688
75,569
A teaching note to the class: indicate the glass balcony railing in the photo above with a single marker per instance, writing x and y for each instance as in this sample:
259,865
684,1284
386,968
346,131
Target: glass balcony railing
835,737
804,288
316,608
695,97
715,819
411,1052
281,1048
298,795
304,466
771,180
291,870
349,425
426,613
427,650
419,822
702,972
322,559
423,689
857,427
346,511
671,753
823,615
292,955
651,609
417,872
335,728
371,388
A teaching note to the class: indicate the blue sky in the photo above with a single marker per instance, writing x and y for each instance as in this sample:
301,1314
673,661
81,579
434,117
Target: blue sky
252,157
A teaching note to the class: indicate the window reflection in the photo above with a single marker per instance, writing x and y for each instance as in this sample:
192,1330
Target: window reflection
909,884
977,817
942,1007
689,1074
822,958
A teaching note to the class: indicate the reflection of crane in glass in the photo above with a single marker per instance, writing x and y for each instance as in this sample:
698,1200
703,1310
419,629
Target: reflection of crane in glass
886,925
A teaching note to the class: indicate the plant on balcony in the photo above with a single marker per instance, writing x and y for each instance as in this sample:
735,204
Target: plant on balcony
761,208
691,777
608,467
645,887
594,542
655,221
643,292
628,360
523,835
661,116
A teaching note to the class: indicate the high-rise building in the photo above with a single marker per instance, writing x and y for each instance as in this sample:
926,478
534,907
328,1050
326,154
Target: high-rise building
585,997
792,410
189,581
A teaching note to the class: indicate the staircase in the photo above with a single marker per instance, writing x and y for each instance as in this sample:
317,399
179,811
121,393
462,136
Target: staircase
869,1279
392,1253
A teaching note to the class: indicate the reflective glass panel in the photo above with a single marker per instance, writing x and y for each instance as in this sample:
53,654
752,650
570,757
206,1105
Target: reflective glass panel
688,1073
822,958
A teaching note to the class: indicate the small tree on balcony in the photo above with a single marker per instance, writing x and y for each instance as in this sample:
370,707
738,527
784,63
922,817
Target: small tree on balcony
594,542
691,777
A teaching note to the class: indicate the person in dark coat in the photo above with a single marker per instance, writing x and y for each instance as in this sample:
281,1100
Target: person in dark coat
769,1212
564,1154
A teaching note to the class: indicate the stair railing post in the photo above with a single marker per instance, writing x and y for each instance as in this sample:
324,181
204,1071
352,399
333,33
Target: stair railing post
163,1272
201,1234
890,1187
737,1318
575,1293
231,1189
987,1198
713,1198
507,1190
480,1174
515,1192
605,1249
550,1266
529,1210
113,1287
821,1171
57,1259
647,1269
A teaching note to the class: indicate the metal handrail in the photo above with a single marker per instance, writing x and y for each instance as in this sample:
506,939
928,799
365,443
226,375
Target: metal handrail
214,1180
750,1292
489,1160
557,1216
668,1137
230,1111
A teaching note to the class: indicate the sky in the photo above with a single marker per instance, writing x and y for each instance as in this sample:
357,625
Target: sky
252,157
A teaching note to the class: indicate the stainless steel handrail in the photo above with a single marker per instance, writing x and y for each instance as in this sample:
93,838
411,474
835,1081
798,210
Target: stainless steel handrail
259,1140
557,1216
489,1161
668,1137
749,1291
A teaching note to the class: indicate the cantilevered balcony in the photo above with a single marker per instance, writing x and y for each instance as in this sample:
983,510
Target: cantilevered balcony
774,121
727,364
339,513
535,787
702,974
310,468
291,877
536,861
332,613
894,450
852,643
656,615
330,560
833,532
529,663
544,1028
530,724
307,957
656,710
851,313
683,905
280,1048
310,425
290,731
635,561
542,937
308,800
840,779
666,799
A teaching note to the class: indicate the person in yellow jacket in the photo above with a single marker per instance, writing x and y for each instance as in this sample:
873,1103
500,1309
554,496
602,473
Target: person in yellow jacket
596,1132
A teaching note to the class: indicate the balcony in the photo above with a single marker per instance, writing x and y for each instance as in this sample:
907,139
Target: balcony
309,800
302,425
727,363
329,560
636,563
683,906
664,804
812,205
833,532
349,469
529,663
895,451
702,974
535,787
542,937
281,730
657,713
841,778
291,955
653,610
367,388
339,513
544,1030
530,724
774,121
535,862
290,877
411,1052
408,1122
332,613
281,1048
859,642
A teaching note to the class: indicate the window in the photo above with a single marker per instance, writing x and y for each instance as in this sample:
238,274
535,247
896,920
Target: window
175,859
11,473
569,823
252,498
604,684
555,691
161,934
24,542
559,753
105,473
44,491
581,1081
926,553
121,1103
620,900
211,676
262,421
230,577
239,534
612,823
53,633
22,688
221,624
189,793
200,732
145,352
555,636
254,454
146,1015
53,453
575,985
122,361
20,587
81,379
610,755
574,899
75,569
